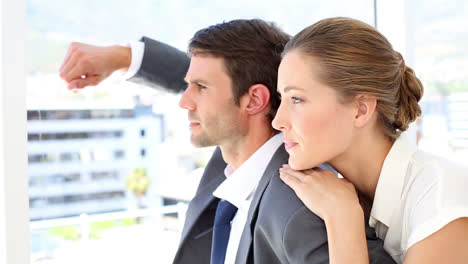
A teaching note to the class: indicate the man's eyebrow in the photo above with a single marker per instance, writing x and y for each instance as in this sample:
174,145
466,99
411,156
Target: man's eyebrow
195,81
289,88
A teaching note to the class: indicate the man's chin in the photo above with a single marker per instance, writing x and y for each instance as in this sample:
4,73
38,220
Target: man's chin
201,142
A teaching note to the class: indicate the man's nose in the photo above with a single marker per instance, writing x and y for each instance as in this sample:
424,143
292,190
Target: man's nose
186,101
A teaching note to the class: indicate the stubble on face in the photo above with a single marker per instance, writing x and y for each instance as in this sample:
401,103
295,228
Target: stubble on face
218,127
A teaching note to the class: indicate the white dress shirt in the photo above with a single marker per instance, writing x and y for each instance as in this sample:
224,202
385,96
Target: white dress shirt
417,194
239,189
138,49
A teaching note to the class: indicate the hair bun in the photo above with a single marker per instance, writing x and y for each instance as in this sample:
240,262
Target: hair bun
410,92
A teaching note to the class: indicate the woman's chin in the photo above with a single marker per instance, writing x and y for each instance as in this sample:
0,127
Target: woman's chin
300,165
295,164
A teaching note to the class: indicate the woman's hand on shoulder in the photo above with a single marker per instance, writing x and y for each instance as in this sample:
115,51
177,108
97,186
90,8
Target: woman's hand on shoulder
335,200
323,192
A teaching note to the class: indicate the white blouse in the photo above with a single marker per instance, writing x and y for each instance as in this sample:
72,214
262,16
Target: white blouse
417,194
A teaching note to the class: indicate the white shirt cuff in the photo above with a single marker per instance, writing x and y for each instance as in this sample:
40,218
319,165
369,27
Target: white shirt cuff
138,48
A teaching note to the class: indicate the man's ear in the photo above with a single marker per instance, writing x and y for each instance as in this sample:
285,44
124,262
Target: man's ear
365,109
256,100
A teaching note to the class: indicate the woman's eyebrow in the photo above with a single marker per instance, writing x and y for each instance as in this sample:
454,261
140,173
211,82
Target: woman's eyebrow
289,88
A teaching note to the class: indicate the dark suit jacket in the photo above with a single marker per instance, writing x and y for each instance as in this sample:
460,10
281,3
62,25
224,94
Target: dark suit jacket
279,228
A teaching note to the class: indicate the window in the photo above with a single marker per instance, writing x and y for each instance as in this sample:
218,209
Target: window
65,129
95,142
61,124
437,42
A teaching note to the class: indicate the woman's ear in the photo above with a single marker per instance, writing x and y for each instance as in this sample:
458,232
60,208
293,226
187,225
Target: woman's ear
256,100
365,109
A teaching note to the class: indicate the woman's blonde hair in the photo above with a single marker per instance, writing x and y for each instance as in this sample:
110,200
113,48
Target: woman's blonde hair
355,59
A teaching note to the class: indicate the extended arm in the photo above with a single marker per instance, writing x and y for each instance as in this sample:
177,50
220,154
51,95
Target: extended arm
162,66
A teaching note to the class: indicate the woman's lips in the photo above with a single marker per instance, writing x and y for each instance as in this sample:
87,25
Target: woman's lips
289,144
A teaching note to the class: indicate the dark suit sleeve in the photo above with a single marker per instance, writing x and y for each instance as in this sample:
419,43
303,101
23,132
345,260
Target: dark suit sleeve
162,67
300,248
305,238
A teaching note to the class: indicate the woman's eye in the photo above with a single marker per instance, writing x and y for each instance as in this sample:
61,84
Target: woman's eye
296,100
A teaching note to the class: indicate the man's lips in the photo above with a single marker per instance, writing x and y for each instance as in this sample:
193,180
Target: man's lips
289,144
193,124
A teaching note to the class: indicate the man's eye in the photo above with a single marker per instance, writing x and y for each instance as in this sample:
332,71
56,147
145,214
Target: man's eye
201,86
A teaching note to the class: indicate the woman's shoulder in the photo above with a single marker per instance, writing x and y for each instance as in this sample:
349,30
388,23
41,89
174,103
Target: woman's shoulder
426,169
434,194
431,177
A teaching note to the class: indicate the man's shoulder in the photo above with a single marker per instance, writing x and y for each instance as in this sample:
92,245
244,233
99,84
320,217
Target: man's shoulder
286,225
281,206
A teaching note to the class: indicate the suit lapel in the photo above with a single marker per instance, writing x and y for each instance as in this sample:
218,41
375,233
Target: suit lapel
279,158
199,203
212,177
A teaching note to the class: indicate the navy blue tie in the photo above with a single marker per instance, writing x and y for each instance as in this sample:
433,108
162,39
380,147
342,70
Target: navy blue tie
221,230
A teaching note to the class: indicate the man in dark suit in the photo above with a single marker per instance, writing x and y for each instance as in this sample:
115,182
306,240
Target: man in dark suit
231,98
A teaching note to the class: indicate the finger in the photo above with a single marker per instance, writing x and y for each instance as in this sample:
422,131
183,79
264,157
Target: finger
81,83
318,169
291,181
69,64
325,172
309,171
67,57
71,52
314,170
80,71
345,181
289,167
298,174
73,68
75,84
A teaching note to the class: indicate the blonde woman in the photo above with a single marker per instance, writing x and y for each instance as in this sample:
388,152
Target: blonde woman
347,96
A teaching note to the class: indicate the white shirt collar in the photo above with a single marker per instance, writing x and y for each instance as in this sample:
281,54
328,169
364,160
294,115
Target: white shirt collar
390,184
240,184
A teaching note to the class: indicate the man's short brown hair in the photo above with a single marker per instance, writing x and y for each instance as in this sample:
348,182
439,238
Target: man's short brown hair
251,50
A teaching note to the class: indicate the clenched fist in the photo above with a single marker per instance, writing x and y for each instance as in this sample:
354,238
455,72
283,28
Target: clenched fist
88,65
